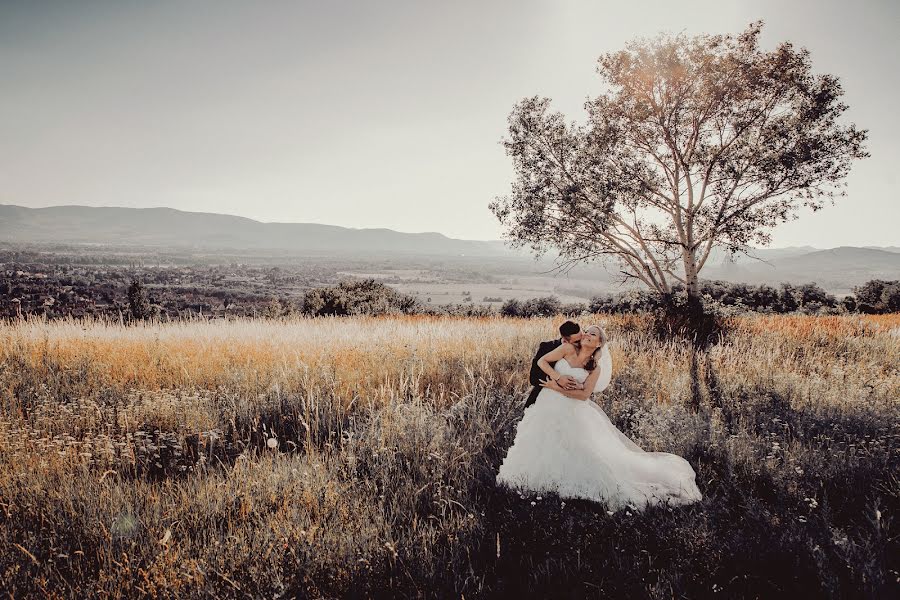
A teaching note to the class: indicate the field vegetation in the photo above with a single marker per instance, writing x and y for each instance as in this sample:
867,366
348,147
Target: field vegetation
355,457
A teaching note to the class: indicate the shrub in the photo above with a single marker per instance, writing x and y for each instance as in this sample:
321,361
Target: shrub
890,297
699,323
727,298
573,309
366,297
878,296
511,308
626,302
138,302
546,306
461,310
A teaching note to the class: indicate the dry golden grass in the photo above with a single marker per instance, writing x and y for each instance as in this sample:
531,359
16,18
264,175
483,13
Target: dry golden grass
136,461
358,355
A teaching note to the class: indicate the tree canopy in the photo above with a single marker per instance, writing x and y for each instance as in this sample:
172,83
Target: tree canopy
698,142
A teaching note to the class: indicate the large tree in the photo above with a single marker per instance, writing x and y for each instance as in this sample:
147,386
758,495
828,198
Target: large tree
698,142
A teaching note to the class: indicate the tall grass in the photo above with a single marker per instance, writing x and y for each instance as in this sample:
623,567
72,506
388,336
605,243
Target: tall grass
356,457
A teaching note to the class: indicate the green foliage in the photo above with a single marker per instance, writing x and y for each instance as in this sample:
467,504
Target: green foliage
680,316
878,296
626,302
729,297
466,309
138,301
546,306
696,142
366,297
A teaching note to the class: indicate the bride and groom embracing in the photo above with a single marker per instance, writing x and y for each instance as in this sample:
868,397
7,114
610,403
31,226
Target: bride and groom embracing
566,444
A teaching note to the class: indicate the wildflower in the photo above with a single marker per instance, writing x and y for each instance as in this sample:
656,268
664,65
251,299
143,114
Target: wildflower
801,519
610,513
798,470
533,503
538,498
272,443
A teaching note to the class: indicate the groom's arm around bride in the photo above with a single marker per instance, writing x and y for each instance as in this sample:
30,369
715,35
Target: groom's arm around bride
569,332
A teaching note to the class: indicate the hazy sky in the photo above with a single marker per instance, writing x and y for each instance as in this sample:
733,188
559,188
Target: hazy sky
372,114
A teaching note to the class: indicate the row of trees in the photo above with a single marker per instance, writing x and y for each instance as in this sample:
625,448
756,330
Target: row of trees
787,298
370,297
874,297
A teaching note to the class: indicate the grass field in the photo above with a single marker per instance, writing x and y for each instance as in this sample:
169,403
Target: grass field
356,457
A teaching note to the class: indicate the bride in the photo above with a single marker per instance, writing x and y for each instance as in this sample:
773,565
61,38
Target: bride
566,444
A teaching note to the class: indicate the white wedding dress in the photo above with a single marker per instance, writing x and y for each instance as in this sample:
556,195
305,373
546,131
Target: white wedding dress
570,447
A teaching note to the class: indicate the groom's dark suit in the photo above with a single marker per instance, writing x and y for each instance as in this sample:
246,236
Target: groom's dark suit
537,375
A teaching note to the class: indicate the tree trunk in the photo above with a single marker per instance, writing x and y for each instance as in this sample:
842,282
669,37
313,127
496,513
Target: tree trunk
691,277
695,312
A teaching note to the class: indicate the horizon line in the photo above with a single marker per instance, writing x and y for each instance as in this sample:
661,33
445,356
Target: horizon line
255,220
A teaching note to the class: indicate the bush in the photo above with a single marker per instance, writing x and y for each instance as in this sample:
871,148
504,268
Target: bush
725,297
878,296
721,298
546,306
573,309
626,302
890,297
462,310
697,322
138,301
367,297
511,308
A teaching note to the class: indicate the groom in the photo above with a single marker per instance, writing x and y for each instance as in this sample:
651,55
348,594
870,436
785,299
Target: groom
569,332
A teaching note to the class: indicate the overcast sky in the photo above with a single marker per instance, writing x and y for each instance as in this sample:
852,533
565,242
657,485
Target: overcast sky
372,114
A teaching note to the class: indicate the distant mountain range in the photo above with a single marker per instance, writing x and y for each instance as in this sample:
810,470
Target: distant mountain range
170,227
836,268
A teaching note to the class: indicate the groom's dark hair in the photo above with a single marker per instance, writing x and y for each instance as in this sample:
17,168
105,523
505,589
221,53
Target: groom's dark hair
569,328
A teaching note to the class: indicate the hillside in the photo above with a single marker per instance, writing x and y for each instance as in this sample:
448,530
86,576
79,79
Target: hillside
837,269
170,227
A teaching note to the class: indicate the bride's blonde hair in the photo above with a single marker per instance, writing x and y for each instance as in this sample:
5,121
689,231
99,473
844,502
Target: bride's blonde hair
591,364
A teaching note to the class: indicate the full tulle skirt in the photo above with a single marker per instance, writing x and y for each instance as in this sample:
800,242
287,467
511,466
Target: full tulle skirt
572,448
